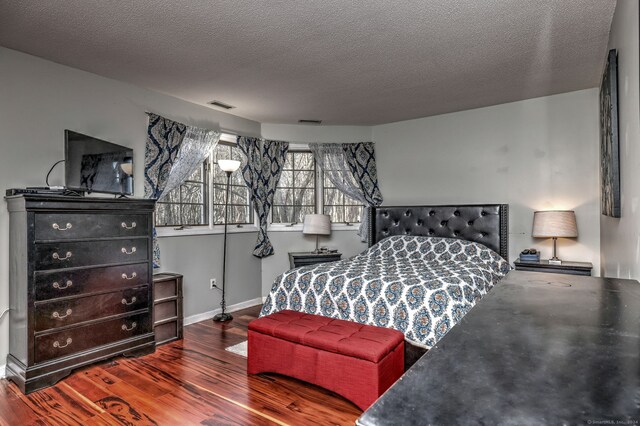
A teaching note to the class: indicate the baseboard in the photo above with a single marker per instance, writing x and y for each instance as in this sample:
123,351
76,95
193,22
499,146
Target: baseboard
3,371
264,299
231,308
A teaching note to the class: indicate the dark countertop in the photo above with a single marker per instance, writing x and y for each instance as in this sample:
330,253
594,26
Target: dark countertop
538,349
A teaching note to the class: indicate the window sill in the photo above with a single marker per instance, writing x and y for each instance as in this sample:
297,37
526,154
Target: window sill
298,227
218,230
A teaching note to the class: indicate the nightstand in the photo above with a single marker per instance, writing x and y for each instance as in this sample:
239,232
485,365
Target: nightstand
571,268
311,258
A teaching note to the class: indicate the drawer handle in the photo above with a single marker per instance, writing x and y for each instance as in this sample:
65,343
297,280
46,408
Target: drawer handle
57,344
56,256
57,315
66,227
133,300
125,328
124,250
125,277
124,225
68,284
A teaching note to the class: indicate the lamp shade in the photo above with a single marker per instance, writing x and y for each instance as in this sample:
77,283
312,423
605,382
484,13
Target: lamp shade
127,168
317,224
229,165
555,223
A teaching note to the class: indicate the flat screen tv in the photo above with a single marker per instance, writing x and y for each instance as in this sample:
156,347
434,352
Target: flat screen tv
94,165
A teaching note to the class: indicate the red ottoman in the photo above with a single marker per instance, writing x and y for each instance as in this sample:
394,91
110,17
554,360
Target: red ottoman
357,361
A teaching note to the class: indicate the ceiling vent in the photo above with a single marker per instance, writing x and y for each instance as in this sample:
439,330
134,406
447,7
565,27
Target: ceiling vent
309,121
221,104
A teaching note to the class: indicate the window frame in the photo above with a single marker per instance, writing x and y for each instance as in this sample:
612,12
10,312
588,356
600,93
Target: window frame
343,205
319,187
252,218
211,228
205,182
298,149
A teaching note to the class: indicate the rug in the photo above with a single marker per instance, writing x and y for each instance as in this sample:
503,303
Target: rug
239,349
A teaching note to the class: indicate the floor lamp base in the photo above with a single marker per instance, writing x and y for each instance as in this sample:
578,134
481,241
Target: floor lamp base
223,317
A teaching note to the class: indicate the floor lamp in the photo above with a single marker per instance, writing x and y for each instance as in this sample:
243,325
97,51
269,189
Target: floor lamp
227,166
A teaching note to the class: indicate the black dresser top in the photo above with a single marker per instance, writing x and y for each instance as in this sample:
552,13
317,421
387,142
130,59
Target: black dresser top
64,202
538,349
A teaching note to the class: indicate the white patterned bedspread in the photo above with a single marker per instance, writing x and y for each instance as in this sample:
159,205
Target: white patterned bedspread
421,286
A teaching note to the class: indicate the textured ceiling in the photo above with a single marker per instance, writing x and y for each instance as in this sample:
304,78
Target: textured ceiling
343,62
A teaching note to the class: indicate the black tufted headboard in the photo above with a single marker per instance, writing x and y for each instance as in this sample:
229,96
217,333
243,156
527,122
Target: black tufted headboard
487,224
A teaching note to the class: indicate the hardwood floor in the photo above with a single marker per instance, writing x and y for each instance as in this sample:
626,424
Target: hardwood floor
192,381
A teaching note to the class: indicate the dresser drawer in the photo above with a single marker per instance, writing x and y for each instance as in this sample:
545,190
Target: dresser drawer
64,283
81,338
72,311
67,226
60,255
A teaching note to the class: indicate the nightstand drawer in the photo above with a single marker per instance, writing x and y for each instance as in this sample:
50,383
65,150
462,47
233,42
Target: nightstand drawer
297,260
167,309
570,268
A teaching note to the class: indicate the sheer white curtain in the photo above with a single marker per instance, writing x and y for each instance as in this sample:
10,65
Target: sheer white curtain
173,152
194,149
340,164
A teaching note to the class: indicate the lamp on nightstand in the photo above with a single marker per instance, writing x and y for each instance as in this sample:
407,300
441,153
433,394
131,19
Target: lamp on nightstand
317,224
555,224
227,166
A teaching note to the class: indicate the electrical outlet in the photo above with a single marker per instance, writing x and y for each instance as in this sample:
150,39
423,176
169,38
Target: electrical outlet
212,283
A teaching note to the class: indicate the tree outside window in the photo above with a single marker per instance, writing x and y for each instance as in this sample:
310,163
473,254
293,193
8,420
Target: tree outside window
240,211
186,205
295,194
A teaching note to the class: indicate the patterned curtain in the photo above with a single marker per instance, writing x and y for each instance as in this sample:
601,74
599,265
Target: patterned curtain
261,173
163,141
172,153
351,167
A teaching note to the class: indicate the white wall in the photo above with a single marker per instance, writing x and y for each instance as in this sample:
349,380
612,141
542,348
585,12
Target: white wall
347,242
39,99
620,238
534,154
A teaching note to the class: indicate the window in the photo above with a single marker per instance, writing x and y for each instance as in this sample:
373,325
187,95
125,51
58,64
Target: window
240,212
302,190
338,205
295,194
200,200
188,204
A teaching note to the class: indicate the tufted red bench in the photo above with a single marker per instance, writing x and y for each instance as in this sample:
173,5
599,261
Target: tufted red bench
357,361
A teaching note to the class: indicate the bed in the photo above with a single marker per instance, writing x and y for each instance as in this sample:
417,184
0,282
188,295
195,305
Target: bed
425,268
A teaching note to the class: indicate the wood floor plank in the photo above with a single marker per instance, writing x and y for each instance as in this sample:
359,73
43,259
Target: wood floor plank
191,381
12,409
266,395
57,402
128,371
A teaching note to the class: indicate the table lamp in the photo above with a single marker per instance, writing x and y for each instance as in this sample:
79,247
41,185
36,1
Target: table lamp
554,224
317,224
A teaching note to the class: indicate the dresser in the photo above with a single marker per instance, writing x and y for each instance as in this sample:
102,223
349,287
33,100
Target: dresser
80,285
